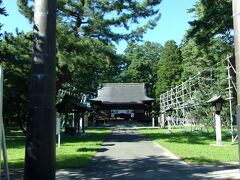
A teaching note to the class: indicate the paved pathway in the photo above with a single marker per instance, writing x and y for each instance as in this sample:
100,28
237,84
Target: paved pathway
126,154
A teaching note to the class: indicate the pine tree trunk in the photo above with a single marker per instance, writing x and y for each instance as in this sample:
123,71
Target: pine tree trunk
236,22
40,141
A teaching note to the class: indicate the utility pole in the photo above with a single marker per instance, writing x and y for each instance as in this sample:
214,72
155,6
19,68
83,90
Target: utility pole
40,154
236,24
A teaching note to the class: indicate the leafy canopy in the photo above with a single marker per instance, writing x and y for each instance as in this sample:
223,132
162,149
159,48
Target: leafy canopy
213,18
98,18
169,67
141,63
2,12
15,53
84,62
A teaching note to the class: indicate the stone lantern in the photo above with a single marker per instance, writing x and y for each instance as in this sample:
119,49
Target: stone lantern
217,101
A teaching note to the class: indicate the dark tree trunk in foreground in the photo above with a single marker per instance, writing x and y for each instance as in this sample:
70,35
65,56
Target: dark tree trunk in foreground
40,141
236,24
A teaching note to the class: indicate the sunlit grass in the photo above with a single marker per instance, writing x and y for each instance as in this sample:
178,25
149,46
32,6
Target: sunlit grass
77,151
74,152
15,143
195,147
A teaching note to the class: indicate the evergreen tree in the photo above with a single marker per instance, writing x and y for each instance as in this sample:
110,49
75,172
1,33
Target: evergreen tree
2,12
99,19
213,18
194,59
141,63
169,67
208,42
2,9
80,57
16,53
209,60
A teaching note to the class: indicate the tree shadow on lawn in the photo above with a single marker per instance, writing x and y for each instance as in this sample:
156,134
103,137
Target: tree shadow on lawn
15,143
16,164
152,167
73,161
66,161
15,139
92,149
186,137
201,161
77,160
88,137
69,141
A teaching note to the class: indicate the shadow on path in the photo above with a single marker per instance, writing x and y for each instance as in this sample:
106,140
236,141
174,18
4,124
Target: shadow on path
127,154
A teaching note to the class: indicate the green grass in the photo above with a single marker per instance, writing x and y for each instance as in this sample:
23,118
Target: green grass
75,151
15,143
78,151
195,147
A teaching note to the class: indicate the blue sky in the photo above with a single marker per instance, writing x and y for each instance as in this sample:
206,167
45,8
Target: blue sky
172,25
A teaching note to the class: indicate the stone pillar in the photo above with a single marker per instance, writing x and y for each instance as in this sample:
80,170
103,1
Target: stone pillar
218,129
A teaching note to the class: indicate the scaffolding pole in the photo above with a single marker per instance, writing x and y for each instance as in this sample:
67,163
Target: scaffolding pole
230,97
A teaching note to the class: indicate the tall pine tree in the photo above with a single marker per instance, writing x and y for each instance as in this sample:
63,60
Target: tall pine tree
169,67
213,18
2,12
108,21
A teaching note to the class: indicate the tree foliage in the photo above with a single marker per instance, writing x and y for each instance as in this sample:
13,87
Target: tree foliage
2,12
2,9
197,58
210,62
207,55
169,67
209,41
141,63
86,56
98,19
91,28
15,53
213,18
84,62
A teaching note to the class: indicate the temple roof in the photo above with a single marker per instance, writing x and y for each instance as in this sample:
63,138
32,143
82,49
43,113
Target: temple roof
122,93
71,104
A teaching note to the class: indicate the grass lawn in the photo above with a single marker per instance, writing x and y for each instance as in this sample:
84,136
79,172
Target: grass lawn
75,151
195,147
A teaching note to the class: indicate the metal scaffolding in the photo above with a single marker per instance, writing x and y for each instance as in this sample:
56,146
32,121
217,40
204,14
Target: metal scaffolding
180,96
231,86
184,97
181,99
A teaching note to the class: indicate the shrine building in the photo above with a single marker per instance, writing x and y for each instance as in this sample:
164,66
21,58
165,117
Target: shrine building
122,101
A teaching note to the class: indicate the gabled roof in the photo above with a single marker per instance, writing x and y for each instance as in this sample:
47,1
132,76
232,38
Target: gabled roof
70,104
122,93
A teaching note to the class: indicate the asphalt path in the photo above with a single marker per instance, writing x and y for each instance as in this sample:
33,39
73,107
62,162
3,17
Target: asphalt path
127,154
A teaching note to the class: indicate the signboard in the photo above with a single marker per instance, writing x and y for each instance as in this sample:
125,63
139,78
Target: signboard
132,115
58,126
122,111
